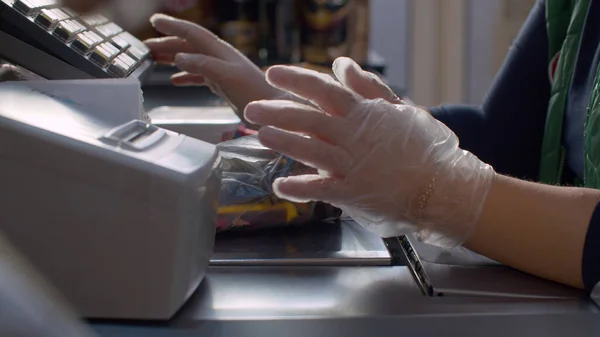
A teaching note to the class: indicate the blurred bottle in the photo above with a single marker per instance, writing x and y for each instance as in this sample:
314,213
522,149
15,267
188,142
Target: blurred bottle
239,25
287,32
325,29
360,31
280,38
190,10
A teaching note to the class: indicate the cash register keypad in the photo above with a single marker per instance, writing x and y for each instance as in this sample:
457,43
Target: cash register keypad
93,36
68,29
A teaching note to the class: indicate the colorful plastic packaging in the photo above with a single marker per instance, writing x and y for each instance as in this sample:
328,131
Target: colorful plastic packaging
247,199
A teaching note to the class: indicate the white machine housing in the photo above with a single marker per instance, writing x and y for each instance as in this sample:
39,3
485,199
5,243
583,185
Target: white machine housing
121,218
211,124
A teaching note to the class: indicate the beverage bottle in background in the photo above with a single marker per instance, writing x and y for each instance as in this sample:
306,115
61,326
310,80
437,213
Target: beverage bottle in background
267,31
287,32
325,29
190,10
279,34
238,22
360,31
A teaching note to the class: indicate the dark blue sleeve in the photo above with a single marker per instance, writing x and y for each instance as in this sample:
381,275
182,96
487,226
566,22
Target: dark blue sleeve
590,263
506,131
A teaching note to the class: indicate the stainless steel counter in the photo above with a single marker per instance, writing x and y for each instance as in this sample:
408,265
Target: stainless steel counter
340,281
342,292
355,301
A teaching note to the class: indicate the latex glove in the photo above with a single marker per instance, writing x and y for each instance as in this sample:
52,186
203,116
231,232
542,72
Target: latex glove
205,59
394,168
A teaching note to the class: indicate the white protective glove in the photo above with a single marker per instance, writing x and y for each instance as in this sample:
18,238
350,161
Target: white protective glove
394,168
205,59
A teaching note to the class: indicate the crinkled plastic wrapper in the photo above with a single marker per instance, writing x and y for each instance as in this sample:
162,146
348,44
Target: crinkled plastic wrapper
247,199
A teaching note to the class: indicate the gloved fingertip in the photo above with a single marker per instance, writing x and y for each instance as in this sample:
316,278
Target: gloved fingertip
295,189
183,59
280,189
267,136
343,66
342,60
253,112
276,72
277,185
336,64
276,75
343,63
159,16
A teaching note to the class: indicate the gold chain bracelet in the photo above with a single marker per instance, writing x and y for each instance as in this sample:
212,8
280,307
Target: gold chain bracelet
425,196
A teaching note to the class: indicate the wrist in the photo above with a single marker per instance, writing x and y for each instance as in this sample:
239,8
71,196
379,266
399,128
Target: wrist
452,202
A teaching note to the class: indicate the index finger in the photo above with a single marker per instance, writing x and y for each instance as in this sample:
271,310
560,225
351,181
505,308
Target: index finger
199,37
316,87
169,44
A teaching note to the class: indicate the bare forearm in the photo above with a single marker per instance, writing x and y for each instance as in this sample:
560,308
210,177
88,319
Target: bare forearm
536,228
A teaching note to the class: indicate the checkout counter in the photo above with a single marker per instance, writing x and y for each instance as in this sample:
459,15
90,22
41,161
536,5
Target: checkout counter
337,279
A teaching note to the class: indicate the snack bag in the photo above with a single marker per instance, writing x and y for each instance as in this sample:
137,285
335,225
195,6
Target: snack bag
247,200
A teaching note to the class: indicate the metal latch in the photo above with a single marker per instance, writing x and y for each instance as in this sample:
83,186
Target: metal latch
135,135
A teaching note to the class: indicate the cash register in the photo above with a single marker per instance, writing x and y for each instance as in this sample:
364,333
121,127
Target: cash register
117,212
119,216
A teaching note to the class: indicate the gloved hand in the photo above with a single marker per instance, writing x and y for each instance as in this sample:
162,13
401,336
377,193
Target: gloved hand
394,168
205,59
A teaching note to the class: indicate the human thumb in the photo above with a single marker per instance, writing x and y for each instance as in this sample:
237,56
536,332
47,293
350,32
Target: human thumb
364,83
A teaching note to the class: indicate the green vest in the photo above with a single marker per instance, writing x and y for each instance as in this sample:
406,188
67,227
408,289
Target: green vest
565,20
